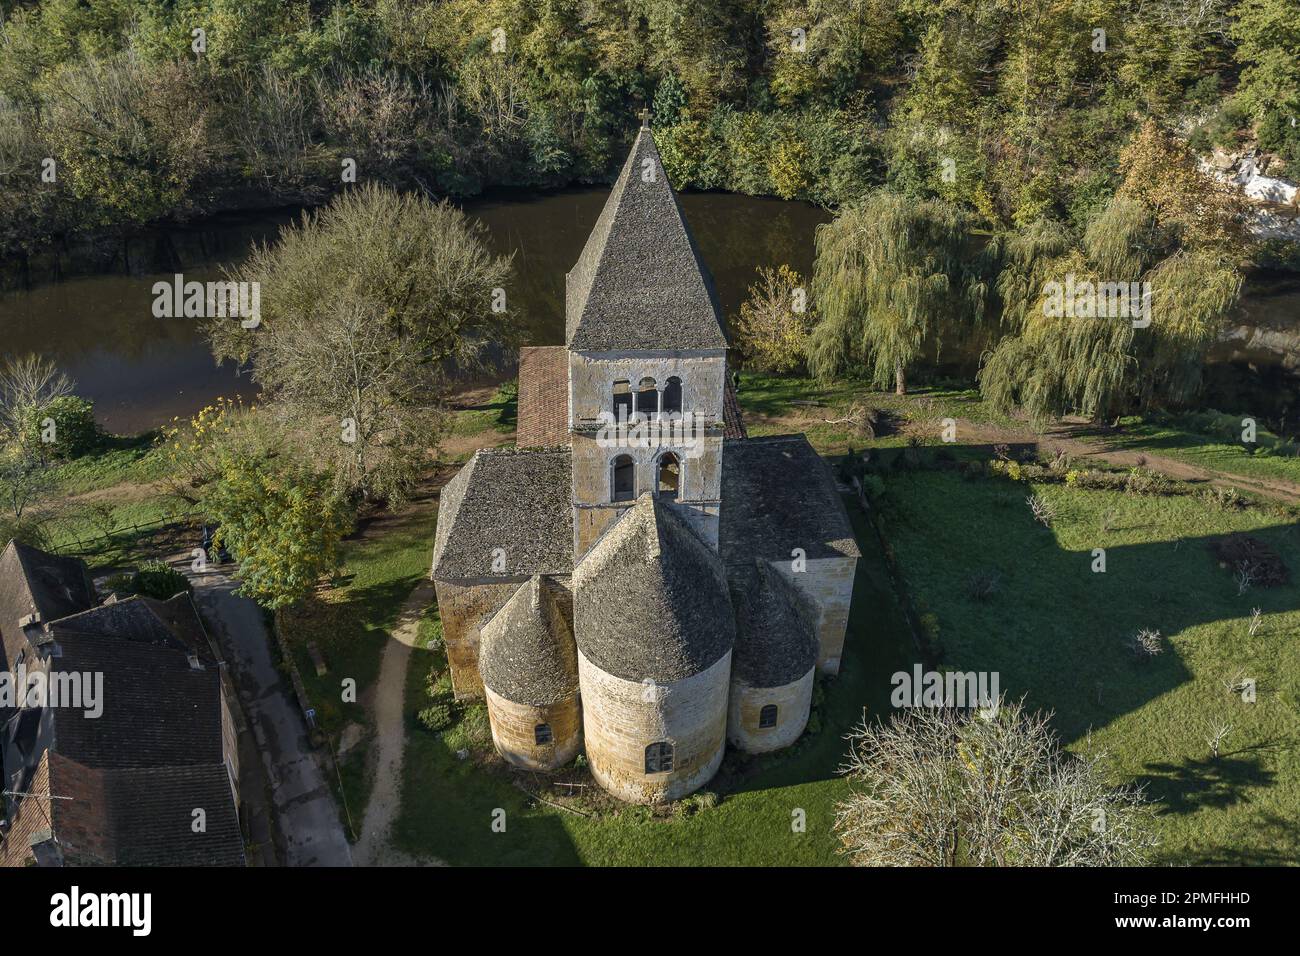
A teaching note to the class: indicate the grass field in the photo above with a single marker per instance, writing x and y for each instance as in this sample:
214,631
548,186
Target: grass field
1212,440
1055,632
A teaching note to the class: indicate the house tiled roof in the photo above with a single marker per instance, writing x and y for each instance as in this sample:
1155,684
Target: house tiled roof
650,598
144,816
640,282
32,581
778,494
519,502
543,418
733,424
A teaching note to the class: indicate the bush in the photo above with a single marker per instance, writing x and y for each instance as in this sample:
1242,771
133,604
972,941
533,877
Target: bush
156,579
63,427
435,717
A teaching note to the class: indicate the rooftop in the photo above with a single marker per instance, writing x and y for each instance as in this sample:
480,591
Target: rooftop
650,598
527,654
778,494
776,638
516,501
640,282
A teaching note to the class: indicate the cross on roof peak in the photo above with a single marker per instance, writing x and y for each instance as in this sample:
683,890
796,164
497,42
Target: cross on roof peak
645,118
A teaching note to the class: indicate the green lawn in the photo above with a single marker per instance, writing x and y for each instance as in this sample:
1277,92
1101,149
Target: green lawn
1212,440
1055,632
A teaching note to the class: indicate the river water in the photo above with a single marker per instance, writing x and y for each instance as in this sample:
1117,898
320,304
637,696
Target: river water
141,371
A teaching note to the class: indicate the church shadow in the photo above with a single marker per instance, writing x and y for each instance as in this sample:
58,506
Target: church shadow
1055,632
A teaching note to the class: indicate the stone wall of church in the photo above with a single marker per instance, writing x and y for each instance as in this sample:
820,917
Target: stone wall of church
621,718
514,731
592,376
828,584
701,475
793,703
464,609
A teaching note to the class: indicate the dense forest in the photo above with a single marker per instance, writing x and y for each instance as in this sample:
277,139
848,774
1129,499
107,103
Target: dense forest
1013,110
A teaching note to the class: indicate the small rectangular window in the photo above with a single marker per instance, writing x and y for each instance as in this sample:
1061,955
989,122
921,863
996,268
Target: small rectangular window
542,733
767,717
659,758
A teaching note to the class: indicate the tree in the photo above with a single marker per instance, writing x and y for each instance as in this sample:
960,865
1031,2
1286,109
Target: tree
888,272
280,519
28,382
1171,231
369,309
942,787
771,329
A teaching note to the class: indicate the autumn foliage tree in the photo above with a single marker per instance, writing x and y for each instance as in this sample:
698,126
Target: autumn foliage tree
771,329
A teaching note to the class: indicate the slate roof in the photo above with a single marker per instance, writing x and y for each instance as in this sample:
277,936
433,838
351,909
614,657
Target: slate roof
32,581
777,495
650,598
519,501
640,282
526,651
776,637
144,817
543,417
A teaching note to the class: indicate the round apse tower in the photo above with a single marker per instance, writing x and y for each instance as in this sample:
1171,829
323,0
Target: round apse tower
655,631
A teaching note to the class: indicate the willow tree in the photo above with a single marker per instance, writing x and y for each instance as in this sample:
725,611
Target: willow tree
888,272
1149,247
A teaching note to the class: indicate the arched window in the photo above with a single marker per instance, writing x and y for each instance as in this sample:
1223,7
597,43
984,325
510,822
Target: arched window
673,395
670,476
767,717
659,757
622,479
647,398
622,400
542,733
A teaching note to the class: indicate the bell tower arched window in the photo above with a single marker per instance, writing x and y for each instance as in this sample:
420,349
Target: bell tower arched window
622,400
673,395
622,479
647,398
669,480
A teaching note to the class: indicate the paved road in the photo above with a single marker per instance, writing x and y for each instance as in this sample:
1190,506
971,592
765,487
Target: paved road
306,812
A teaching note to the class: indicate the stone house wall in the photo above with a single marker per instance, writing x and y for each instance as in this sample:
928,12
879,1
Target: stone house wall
793,702
514,731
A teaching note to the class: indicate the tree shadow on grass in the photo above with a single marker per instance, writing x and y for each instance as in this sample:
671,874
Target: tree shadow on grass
1205,783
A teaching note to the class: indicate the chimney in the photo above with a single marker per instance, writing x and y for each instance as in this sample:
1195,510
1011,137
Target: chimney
537,592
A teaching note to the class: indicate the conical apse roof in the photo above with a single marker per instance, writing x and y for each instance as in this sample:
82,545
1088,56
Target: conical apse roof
640,282
527,654
650,599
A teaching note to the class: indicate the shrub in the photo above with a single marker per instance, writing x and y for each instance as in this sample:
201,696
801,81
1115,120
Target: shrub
156,579
983,584
435,717
63,427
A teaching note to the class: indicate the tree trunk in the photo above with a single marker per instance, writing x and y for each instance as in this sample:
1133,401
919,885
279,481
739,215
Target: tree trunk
900,379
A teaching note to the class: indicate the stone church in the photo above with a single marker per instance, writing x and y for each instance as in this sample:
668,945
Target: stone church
638,579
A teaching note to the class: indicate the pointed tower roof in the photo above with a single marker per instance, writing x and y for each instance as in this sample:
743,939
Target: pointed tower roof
650,599
527,654
640,282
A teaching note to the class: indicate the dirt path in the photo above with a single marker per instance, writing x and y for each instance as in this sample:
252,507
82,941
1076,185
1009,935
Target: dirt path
374,848
976,433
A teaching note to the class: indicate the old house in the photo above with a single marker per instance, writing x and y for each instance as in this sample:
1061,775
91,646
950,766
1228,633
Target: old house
127,754
638,578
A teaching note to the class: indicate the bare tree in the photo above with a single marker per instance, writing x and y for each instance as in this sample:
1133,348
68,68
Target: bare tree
942,787
27,382
1217,733
1043,510
1146,644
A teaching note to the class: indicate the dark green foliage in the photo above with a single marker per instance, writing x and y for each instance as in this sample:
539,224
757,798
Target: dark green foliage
63,427
156,579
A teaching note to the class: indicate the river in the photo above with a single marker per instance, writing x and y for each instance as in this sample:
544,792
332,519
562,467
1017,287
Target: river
141,371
